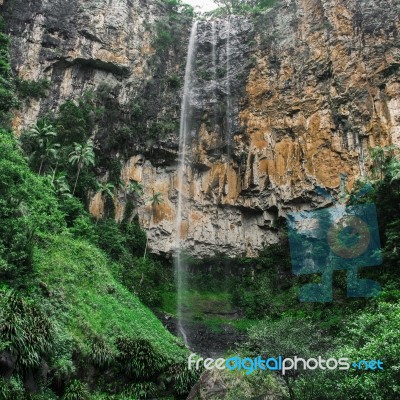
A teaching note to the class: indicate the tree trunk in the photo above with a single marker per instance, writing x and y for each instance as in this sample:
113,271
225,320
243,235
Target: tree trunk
41,165
147,242
54,173
76,181
145,249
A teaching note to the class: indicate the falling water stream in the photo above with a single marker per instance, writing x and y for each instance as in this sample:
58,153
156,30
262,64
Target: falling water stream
228,89
184,135
214,71
195,92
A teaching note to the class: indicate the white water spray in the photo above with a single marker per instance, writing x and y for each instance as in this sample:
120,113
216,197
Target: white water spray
184,134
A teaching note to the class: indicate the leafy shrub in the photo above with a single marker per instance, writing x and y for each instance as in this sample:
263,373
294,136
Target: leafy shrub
181,378
174,82
102,355
28,207
143,278
143,390
8,99
287,337
77,391
136,109
139,358
121,241
369,335
83,227
75,121
164,37
26,329
32,89
11,389
111,239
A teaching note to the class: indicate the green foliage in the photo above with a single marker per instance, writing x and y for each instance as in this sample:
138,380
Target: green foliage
160,129
166,29
383,162
260,290
156,199
368,335
241,7
25,330
125,243
77,391
136,110
60,146
120,241
8,99
28,208
140,358
174,81
144,278
106,189
68,307
177,7
108,326
39,141
182,378
164,38
258,385
142,390
32,89
288,337
82,156
75,121
11,389
102,354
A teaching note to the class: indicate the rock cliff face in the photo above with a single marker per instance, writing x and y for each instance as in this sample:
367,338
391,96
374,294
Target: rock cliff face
78,45
284,103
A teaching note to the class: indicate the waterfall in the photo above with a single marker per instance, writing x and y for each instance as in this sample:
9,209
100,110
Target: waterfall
214,71
184,135
228,90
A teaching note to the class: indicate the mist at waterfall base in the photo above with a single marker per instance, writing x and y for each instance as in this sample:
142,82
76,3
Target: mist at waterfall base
195,94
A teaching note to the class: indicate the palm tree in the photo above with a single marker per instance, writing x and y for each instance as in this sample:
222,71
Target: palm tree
394,169
136,188
61,186
155,201
51,151
82,156
106,189
382,158
132,187
43,134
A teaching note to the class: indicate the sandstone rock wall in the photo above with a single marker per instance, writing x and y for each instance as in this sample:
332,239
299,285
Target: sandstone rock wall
315,84
78,45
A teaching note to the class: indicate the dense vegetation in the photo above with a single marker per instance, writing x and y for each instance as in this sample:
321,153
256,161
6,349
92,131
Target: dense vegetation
71,322
63,304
